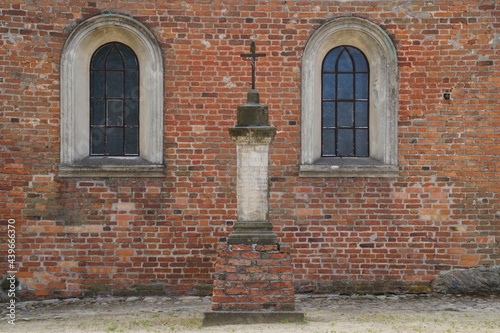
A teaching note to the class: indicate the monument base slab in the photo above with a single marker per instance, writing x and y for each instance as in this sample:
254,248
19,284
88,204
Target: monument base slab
253,232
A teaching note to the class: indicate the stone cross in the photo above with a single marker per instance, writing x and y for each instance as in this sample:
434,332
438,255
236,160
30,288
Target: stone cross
253,55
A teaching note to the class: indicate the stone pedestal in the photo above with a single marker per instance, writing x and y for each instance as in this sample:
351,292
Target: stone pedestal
252,135
253,226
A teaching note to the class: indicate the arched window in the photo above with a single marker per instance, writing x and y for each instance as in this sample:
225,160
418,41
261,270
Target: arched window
111,100
114,101
345,80
349,101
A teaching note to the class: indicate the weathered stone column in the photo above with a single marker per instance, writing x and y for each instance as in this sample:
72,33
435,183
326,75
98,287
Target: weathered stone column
252,135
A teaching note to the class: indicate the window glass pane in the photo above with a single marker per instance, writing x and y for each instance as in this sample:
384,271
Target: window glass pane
99,57
131,84
359,60
97,84
114,60
345,114
345,63
328,148
114,84
97,112
131,141
130,61
114,141
97,140
131,112
328,114
331,60
361,114
361,86
345,88
346,142
362,142
115,113
329,86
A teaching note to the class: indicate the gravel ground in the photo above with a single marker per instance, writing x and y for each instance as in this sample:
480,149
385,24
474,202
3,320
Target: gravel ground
324,314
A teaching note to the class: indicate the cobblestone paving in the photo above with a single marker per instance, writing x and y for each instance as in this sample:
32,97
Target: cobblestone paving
324,314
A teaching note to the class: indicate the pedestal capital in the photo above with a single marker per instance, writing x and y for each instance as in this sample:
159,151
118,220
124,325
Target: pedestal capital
252,135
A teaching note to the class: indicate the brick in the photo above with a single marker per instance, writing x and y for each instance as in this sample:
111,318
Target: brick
238,277
308,211
239,291
239,262
127,206
124,252
470,260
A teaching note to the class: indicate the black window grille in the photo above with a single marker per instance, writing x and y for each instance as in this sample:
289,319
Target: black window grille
114,101
345,105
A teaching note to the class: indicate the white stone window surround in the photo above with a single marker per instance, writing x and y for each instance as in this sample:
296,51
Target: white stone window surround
75,98
382,59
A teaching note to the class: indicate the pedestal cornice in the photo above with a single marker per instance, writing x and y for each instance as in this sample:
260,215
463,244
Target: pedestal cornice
252,135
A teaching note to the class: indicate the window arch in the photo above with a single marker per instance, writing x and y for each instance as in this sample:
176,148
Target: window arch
380,158
83,45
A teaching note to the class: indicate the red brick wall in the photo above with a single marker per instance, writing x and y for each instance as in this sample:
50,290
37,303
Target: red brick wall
159,235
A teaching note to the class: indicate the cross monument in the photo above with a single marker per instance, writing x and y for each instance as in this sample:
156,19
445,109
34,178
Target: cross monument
253,275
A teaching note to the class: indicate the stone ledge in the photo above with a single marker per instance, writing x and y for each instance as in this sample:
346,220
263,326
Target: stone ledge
106,171
348,170
218,318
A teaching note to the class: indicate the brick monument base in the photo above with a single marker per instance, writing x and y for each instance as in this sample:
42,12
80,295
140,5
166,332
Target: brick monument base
253,284
253,278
